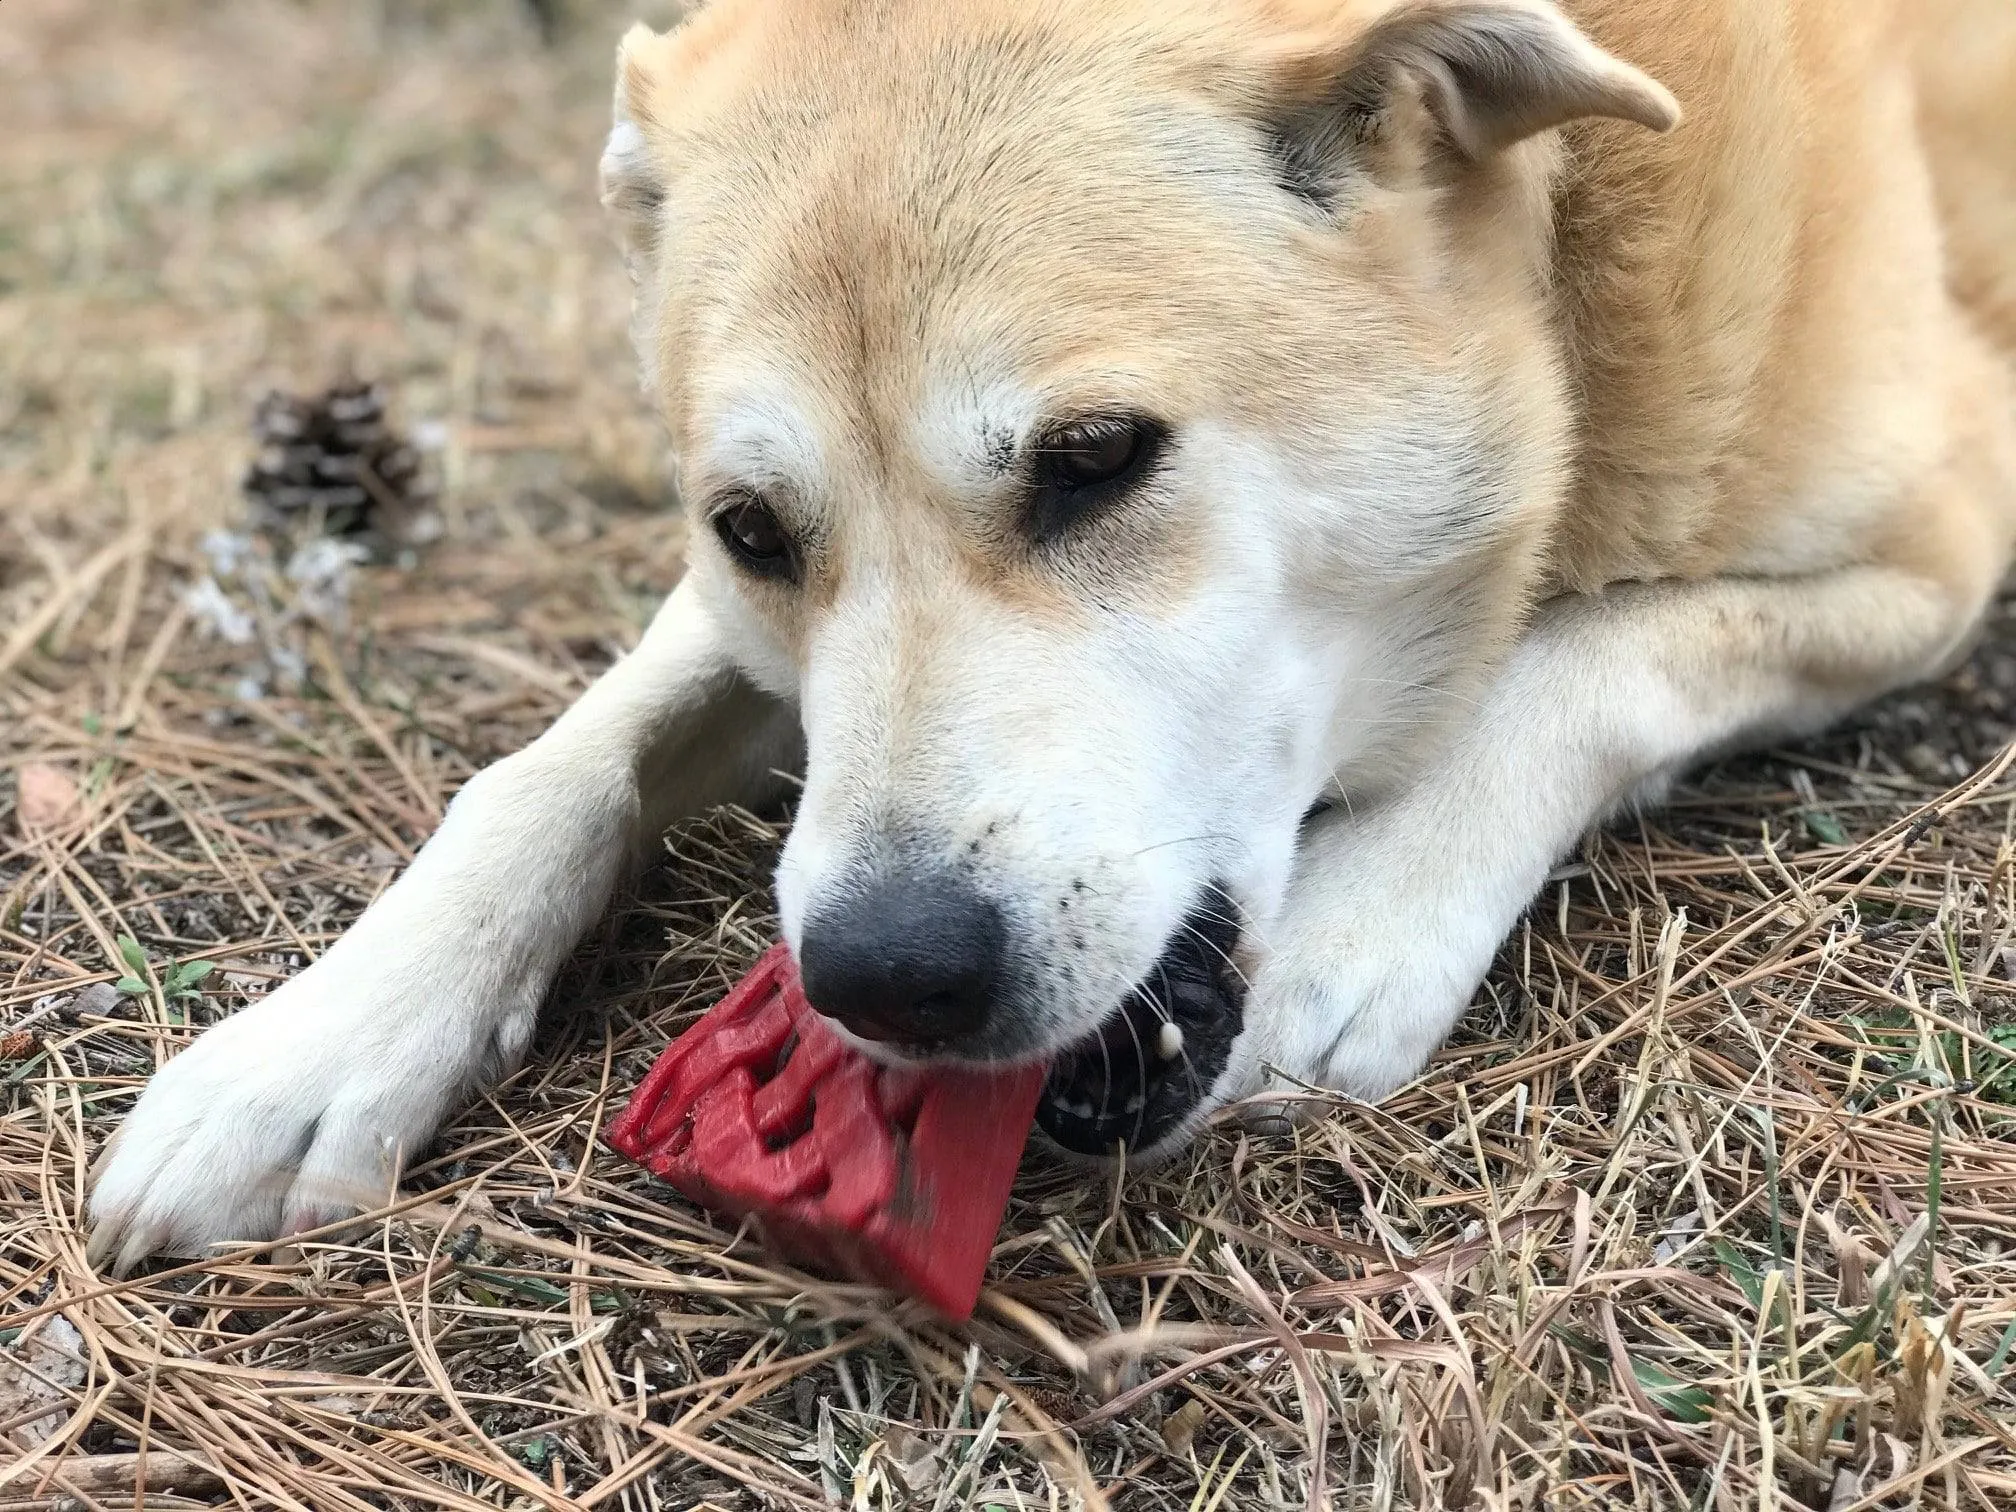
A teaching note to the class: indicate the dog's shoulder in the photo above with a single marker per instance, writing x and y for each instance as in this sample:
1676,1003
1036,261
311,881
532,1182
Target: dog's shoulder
1754,305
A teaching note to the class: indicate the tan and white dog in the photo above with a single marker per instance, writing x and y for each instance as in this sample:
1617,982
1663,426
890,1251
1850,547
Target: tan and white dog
1218,495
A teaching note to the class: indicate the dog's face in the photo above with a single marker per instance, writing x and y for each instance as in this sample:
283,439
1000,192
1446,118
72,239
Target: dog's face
1119,427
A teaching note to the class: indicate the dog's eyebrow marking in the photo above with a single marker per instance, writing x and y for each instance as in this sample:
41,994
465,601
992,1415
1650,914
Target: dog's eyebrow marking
760,436
999,448
969,431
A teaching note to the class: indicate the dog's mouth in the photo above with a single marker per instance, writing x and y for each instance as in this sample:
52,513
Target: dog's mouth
1134,1080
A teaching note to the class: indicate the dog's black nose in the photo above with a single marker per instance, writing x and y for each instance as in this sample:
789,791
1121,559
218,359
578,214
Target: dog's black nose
912,959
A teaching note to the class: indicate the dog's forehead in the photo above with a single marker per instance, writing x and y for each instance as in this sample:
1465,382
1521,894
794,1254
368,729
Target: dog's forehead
924,247
833,315
952,158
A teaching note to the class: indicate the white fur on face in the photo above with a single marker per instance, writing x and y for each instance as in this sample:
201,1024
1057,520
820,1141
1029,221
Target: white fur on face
1095,772
762,441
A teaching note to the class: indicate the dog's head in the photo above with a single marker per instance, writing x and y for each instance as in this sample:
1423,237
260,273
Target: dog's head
1119,426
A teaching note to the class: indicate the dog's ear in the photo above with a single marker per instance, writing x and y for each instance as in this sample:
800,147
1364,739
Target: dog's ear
633,189
1470,77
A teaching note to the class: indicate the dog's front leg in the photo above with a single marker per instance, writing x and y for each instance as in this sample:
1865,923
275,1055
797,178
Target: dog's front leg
1395,912
297,1110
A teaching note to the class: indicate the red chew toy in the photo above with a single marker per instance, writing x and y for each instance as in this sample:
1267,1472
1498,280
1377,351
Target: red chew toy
896,1175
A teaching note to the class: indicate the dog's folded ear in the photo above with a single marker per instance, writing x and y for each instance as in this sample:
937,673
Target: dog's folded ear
1463,79
633,190
631,193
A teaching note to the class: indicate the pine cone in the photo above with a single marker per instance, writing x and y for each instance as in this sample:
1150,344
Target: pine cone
332,465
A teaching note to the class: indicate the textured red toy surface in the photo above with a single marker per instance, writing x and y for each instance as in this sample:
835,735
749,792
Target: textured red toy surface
894,1175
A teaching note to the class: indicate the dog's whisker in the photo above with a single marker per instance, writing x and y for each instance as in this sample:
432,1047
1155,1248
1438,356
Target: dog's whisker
1217,949
1182,840
1245,926
1418,687
1167,1016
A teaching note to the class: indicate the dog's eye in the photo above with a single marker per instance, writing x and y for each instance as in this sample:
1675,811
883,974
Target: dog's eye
1093,452
754,537
1082,465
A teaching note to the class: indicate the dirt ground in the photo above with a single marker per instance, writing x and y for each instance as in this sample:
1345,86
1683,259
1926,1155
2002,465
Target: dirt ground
1713,1204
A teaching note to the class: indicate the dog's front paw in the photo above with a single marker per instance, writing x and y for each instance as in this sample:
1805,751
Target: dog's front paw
292,1114
1375,959
1358,1022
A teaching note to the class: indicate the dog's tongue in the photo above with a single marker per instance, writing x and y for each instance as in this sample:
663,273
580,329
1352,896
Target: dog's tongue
893,1175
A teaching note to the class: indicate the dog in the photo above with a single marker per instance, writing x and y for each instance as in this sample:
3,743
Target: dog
1215,498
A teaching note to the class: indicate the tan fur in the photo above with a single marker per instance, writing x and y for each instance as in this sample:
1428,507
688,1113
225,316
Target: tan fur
1756,301
1966,66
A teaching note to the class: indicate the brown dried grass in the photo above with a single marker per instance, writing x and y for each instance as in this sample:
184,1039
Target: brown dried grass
1714,1204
